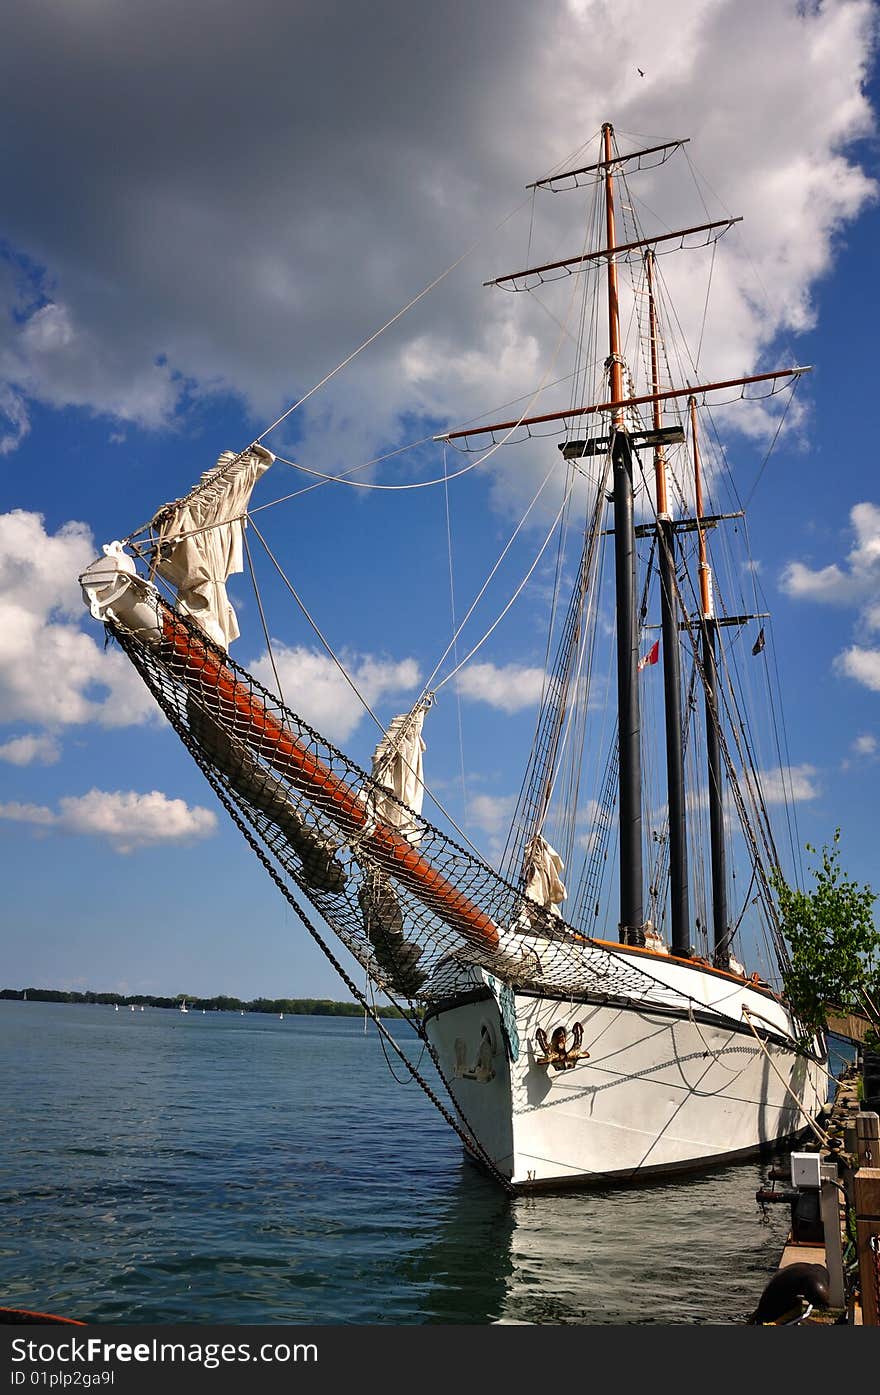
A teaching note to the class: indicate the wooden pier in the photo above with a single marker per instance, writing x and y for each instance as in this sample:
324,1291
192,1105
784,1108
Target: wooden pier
829,1270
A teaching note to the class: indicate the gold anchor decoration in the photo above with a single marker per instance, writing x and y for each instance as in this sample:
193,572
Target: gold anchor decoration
556,1052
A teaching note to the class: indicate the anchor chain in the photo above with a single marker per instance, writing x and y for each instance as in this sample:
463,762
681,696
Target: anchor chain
466,1133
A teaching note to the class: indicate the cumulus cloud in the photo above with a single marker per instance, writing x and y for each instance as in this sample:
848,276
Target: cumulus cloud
857,580
787,784
27,813
855,583
126,819
313,686
192,255
792,784
491,812
51,671
508,687
861,664
14,419
491,815
865,744
56,360
39,749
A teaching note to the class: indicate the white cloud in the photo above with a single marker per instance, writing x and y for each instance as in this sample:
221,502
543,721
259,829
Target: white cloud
127,820
510,687
791,784
314,688
27,813
861,664
865,744
856,583
51,671
596,820
14,420
491,812
197,262
26,750
56,361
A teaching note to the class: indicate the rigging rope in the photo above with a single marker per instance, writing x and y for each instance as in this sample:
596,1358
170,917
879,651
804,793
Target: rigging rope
259,599
216,476
463,1128
520,588
820,1133
425,698
485,585
387,325
464,801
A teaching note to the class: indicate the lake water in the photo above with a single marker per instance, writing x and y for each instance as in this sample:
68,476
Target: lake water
161,1167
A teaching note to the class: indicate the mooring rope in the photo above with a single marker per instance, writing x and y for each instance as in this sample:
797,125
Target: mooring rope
820,1133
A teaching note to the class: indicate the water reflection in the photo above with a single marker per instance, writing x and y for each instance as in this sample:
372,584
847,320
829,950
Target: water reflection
221,1170
694,1250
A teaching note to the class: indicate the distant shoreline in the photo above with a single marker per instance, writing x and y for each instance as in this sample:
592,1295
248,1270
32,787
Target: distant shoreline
221,1002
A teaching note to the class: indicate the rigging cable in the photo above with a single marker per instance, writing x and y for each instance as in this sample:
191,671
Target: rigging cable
199,487
464,799
259,600
463,1128
513,598
387,325
489,578
351,683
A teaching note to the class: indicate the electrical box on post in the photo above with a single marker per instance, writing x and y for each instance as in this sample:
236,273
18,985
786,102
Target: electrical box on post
806,1170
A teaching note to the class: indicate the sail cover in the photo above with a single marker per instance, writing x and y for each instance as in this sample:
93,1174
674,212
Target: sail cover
200,541
397,765
543,880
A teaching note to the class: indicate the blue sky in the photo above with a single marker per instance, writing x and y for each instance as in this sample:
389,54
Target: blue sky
178,267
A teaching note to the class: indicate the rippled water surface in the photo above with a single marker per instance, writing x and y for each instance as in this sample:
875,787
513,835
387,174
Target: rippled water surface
161,1167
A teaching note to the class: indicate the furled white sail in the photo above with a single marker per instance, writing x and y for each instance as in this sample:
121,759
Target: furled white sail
543,881
397,765
200,542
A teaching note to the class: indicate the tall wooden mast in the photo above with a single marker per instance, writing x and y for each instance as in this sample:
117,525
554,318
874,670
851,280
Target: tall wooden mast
620,443
721,952
631,926
678,861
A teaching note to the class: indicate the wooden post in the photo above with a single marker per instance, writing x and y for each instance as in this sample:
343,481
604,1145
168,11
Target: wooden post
868,1138
829,1202
866,1186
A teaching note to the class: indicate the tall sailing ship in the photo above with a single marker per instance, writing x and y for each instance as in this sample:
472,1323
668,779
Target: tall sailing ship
572,1044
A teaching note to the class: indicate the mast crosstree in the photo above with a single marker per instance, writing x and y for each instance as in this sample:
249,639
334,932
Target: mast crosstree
619,446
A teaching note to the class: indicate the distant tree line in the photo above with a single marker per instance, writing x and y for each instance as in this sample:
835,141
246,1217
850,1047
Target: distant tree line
303,1007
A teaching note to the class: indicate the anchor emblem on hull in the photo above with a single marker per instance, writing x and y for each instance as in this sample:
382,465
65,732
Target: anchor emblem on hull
556,1052
482,1069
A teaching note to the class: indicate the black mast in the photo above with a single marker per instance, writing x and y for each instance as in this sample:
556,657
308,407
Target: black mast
721,951
678,859
631,928
720,936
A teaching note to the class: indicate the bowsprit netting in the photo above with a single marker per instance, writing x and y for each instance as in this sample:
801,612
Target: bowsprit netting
414,908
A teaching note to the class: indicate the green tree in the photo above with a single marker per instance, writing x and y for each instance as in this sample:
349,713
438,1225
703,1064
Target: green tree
833,940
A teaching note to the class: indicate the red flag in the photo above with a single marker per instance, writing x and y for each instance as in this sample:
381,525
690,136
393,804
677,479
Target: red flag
651,657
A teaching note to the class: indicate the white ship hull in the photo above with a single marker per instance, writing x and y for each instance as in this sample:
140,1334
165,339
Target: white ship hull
663,1089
